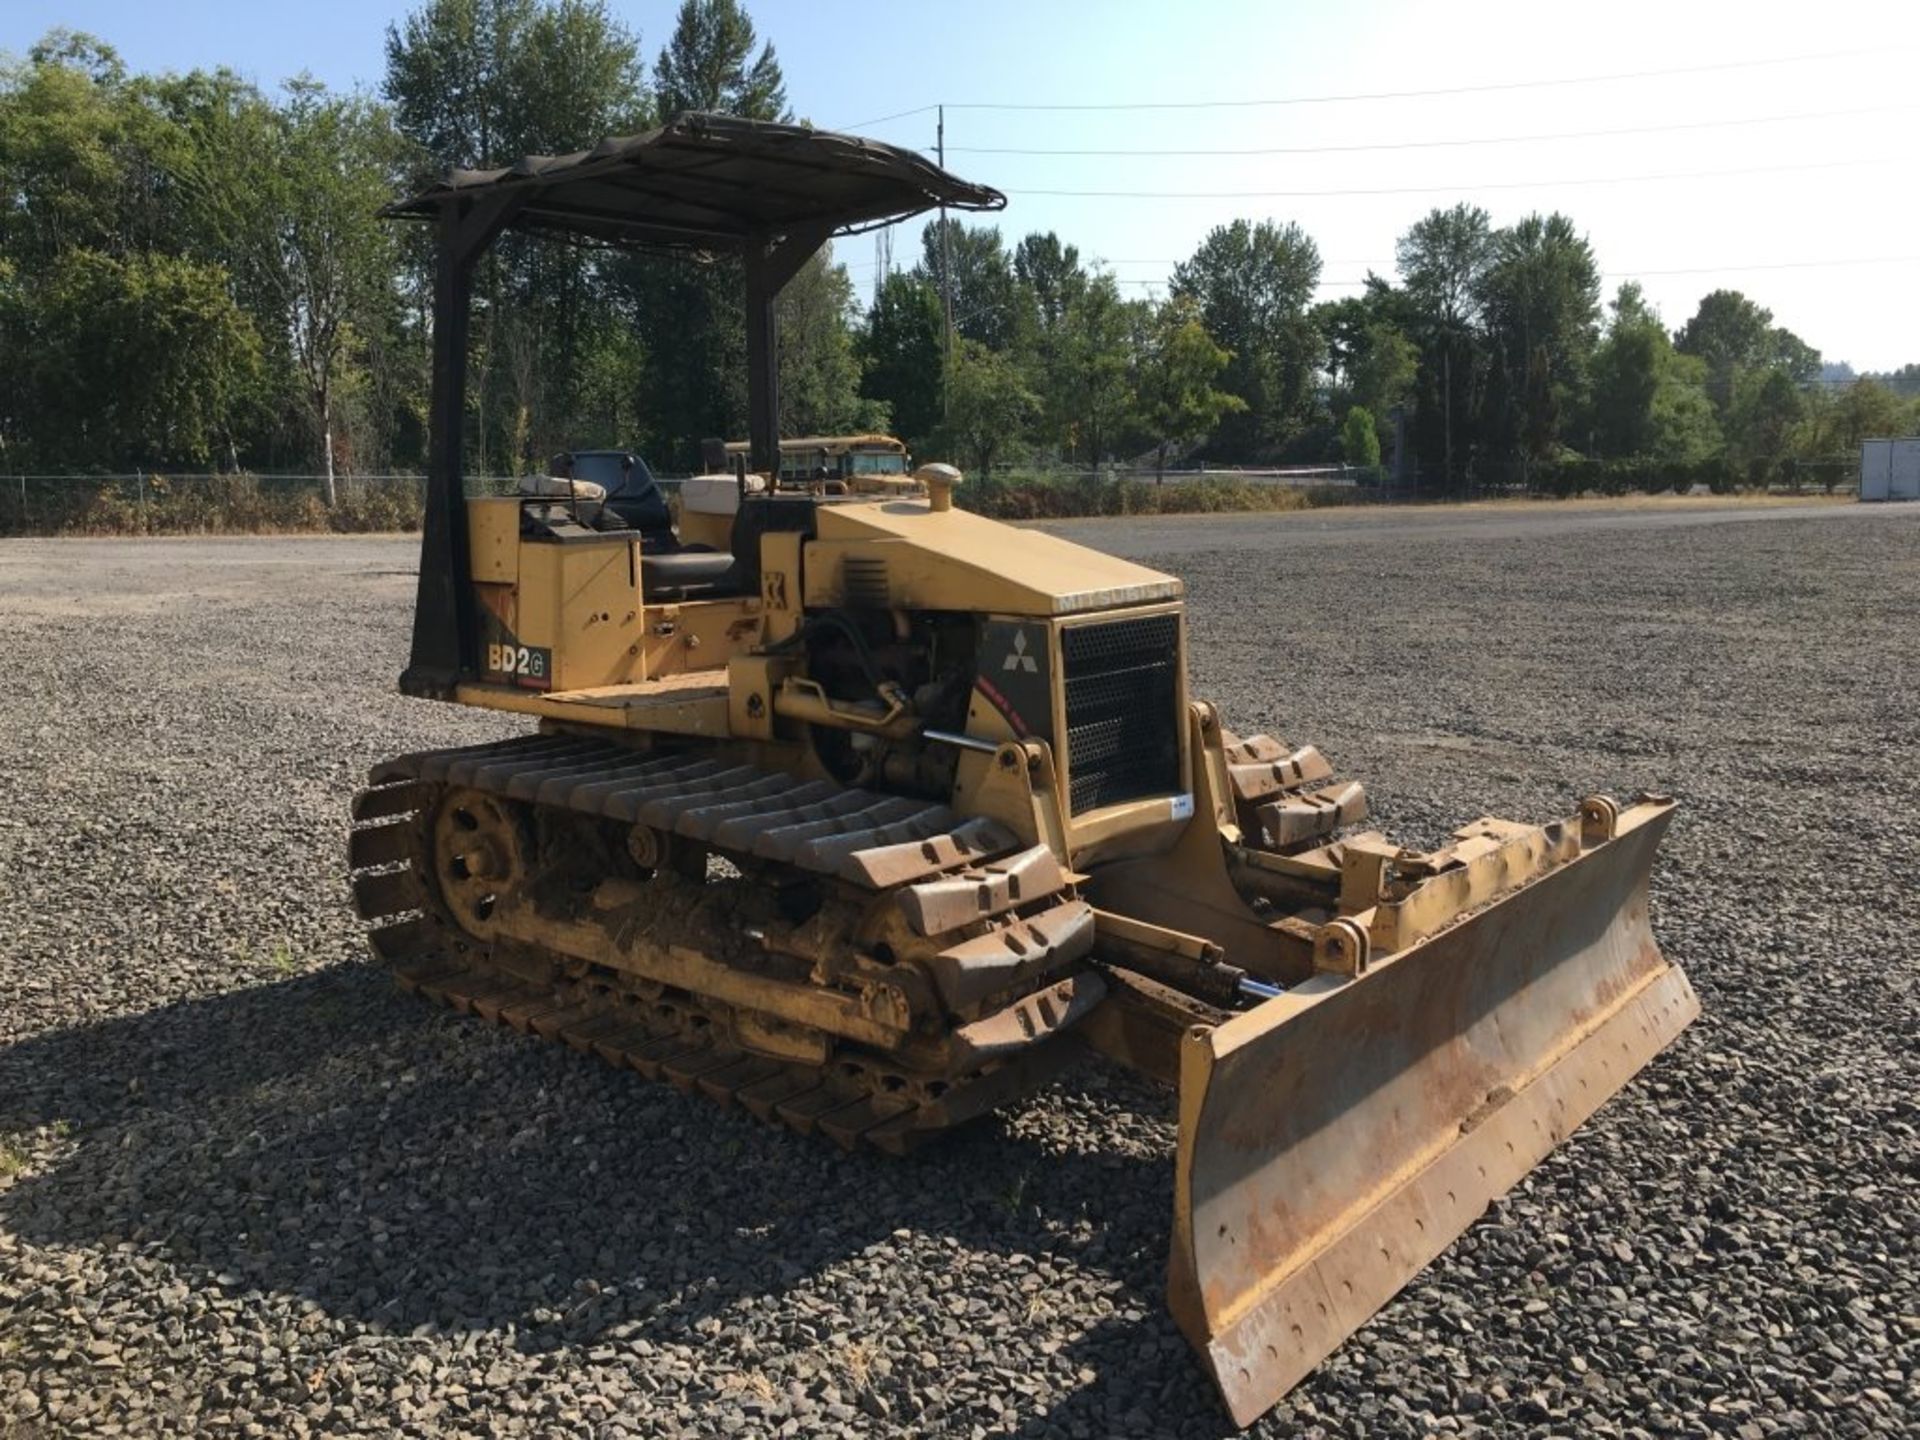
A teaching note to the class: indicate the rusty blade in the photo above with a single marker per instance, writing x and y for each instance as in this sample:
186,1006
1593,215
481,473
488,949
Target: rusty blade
1337,1138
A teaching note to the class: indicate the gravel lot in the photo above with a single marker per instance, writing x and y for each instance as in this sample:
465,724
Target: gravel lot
246,1187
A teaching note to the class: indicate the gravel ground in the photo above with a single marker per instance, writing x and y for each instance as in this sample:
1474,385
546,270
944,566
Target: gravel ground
246,1187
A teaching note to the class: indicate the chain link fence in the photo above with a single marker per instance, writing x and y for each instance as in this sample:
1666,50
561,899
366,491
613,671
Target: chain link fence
241,503
258,504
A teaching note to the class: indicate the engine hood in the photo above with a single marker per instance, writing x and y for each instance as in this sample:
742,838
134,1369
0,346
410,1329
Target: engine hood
954,560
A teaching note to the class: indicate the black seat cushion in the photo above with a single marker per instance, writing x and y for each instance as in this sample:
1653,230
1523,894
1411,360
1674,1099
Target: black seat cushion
767,515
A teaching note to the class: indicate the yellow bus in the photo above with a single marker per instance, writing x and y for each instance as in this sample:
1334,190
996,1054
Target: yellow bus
857,462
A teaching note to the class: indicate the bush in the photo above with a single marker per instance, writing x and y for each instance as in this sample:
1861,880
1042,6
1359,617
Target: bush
207,504
1035,496
1643,475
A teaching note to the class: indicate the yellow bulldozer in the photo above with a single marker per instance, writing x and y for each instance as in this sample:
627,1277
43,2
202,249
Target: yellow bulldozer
873,818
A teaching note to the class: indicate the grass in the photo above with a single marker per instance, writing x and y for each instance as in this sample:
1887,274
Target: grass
208,505
1015,1195
1019,495
280,957
760,1386
13,1157
857,1360
248,505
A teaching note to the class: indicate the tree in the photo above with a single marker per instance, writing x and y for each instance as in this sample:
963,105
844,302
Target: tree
1903,382
1052,274
481,83
1646,398
141,362
1864,410
122,340
1359,438
695,367
983,294
819,372
691,314
1383,371
1443,260
1787,351
709,64
1085,375
335,166
1251,284
1174,386
1733,335
1372,359
901,352
1767,405
1540,297
987,403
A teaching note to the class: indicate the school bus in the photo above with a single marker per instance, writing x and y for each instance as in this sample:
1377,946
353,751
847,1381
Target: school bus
856,462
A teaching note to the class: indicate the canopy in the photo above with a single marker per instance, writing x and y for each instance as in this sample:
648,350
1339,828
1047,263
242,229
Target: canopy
708,181
771,194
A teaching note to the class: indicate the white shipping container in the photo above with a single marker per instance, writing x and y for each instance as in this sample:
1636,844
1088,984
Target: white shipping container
1890,469
1905,478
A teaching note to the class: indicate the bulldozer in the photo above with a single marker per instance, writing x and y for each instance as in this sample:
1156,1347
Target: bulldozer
875,817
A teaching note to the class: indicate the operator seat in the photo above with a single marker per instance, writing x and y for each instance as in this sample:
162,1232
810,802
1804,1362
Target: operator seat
712,575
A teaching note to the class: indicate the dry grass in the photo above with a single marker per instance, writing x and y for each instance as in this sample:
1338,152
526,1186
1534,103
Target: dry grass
856,1360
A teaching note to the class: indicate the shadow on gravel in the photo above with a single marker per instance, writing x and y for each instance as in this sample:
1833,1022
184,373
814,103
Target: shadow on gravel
327,1138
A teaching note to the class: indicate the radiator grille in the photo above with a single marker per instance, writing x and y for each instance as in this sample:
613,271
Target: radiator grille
1123,690
864,579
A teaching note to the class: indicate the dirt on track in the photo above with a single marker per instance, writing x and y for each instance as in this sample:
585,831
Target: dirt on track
246,1187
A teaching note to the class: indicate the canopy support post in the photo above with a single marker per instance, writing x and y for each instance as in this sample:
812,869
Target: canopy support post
443,640
770,263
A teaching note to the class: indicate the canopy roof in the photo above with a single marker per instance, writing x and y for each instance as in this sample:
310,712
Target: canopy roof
709,181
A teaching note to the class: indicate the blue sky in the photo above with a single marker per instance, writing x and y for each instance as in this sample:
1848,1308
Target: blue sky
1790,181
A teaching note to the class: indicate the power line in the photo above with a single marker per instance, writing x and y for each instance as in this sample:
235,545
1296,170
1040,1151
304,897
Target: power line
1447,144
1627,274
1495,87
882,120
1774,265
1383,267
1445,189
1385,270
897,115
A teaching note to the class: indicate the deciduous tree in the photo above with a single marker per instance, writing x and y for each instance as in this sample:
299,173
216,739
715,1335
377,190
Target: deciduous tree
1252,284
988,402
1443,261
1646,398
1175,394
1359,438
985,305
901,352
1540,298
1086,384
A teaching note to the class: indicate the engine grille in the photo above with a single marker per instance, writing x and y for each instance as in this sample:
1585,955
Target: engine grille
1123,689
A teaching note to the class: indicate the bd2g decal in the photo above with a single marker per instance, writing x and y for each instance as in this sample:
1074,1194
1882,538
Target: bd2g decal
530,666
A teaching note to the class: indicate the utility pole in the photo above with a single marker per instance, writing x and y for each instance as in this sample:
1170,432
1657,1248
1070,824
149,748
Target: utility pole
946,274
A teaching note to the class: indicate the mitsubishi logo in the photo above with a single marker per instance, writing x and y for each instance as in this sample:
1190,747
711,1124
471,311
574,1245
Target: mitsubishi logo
1018,658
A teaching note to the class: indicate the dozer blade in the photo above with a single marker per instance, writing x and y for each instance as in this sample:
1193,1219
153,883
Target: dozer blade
1338,1137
